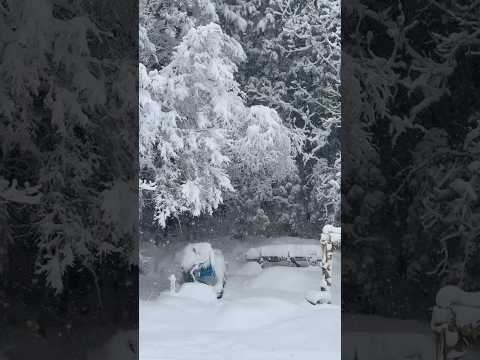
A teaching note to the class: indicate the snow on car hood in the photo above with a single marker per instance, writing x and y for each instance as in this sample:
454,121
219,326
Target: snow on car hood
285,250
197,253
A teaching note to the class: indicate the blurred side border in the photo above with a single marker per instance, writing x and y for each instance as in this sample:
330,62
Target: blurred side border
69,179
410,147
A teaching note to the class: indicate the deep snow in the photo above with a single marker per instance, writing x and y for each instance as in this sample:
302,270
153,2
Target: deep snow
263,316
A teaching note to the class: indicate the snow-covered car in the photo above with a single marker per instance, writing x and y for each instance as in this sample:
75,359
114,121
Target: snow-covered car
201,263
304,255
299,255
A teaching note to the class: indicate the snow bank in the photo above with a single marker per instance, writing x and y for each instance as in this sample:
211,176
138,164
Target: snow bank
286,279
248,314
249,269
197,291
262,316
318,297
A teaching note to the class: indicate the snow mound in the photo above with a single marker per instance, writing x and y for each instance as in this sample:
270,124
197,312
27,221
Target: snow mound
197,291
330,229
286,279
318,297
250,313
249,269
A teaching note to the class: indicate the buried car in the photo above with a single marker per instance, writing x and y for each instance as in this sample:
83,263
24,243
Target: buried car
201,263
303,255
286,254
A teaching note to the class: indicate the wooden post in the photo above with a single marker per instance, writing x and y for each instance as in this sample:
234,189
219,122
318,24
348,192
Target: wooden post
327,261
440,346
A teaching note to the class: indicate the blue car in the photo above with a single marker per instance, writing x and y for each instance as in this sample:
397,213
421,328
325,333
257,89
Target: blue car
201,263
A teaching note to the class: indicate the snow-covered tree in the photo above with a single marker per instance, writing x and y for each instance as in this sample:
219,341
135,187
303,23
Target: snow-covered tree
325,194
293,66
281,106
186,110
297,44
165,23
195,127
262,164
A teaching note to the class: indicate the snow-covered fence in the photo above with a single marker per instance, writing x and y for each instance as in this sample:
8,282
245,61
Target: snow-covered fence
456,322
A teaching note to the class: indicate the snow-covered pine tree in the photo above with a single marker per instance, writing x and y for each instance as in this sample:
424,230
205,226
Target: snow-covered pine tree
186,113
262,172
293,51
325,181
291,65
195,127
297,44
164,23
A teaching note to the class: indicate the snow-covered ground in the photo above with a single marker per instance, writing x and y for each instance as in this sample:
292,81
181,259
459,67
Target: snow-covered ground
263,316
